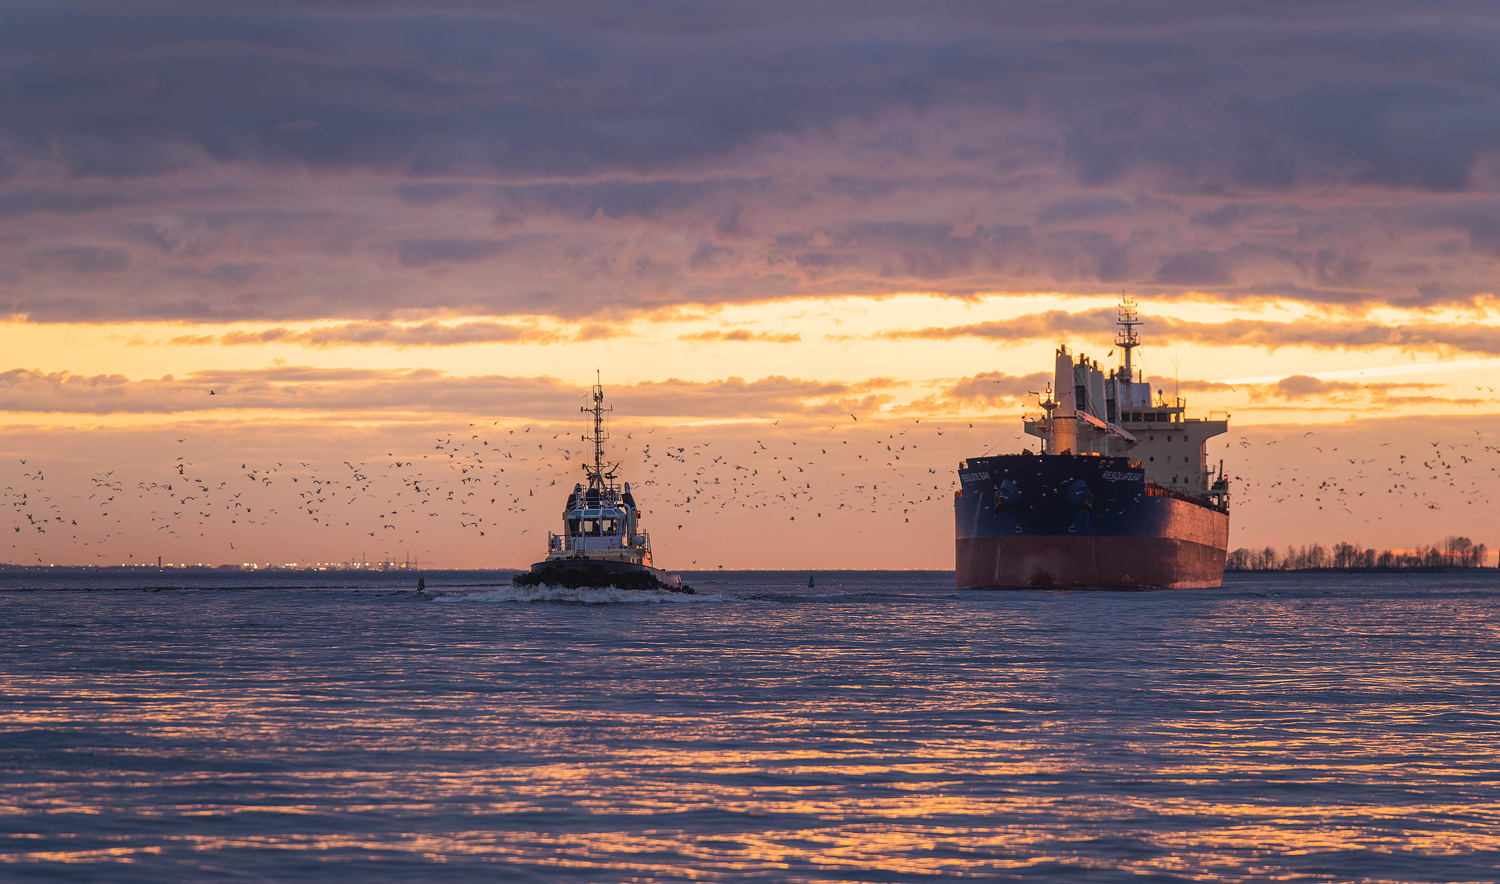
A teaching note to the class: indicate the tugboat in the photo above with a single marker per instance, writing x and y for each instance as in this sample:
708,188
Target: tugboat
1121,496
602,543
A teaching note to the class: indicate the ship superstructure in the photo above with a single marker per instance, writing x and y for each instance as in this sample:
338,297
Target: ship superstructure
1114,414
1122,494
602,541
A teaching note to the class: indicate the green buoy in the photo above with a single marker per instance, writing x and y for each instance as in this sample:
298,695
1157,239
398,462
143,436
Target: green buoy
809,581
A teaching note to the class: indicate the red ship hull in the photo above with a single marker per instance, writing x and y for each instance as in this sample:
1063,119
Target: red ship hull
1088,563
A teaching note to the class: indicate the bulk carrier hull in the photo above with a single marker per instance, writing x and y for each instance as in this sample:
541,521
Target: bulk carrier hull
1063,521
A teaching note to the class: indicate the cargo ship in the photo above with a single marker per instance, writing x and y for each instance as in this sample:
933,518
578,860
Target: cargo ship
602,542
1120,496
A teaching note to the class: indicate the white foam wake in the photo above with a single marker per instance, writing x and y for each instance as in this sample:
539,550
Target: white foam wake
583,595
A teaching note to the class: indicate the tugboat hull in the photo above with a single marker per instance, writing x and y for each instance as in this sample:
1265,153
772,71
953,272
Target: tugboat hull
600,573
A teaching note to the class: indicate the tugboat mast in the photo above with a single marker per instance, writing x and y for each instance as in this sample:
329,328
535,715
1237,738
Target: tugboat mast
598,475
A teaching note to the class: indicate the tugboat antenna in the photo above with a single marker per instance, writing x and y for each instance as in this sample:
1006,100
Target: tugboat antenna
598,474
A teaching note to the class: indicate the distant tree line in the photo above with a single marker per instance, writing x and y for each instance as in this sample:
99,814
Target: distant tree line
1454,552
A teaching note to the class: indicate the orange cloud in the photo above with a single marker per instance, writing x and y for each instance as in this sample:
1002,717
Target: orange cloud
427,334
740,335
1331,335
998,388
372,391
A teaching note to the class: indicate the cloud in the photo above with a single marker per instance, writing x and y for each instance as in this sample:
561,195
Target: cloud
1303,387
609,199
1084,207
736,397
229,275
34,201
1402,134
1307,389
1031,326
301,389
1200,269
504,161
427,334
1459,337
77,259
740,335
426,252
1455,337
1299,386
296,389
998,388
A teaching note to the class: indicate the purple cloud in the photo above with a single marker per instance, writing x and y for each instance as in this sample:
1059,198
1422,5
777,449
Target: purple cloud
592,161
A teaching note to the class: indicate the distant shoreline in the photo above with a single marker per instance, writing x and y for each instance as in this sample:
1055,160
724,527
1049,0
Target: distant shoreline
1437,569
8,568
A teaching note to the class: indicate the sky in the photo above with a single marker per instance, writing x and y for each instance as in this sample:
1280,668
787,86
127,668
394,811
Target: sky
323,282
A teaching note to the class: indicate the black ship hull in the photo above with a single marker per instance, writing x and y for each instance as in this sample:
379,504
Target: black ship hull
1069,521
599,573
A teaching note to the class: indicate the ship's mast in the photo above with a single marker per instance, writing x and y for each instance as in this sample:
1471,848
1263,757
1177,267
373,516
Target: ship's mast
1126,339
1048,405
598,474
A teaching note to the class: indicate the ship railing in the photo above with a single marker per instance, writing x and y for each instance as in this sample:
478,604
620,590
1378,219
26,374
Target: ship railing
1154,490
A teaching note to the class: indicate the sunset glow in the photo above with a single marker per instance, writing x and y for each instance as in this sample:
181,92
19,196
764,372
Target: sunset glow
380,248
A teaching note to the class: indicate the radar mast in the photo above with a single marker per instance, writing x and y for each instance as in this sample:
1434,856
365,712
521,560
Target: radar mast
601,474
1126,339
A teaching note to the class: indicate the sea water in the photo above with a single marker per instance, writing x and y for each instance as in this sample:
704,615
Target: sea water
878,727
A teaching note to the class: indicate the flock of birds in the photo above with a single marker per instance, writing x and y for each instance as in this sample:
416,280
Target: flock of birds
482,484
502,488
1354,480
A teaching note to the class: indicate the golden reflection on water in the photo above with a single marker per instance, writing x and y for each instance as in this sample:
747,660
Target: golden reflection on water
890,847
897,817
1240,757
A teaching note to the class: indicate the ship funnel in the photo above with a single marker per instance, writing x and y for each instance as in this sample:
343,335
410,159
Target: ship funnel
1064,384
1097,406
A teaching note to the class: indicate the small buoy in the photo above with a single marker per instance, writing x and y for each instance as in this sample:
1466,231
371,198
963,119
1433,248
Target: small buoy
421,584
810,580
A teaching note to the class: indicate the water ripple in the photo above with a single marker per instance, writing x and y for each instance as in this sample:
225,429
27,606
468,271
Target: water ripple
880,728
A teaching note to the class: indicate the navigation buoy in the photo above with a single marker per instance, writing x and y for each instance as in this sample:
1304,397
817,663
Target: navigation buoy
809,581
